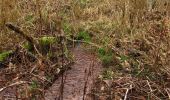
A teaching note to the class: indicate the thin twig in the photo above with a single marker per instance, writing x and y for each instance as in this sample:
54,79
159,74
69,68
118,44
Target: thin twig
42,78
127,91
149,86
168,92
13,84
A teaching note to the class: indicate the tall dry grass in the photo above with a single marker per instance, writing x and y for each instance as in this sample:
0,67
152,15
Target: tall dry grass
140,25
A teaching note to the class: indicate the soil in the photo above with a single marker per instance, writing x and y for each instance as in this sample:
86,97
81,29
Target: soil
79,79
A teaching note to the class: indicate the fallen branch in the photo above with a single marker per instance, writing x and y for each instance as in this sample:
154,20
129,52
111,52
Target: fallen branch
13,84
20,32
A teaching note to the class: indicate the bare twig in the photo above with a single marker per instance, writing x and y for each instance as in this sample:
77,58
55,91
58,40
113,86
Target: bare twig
14,84
168,92
42,78
125,98
149,86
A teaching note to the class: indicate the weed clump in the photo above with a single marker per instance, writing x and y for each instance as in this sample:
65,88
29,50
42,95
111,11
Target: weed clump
4,55
107,74
83,35
44,41
105,56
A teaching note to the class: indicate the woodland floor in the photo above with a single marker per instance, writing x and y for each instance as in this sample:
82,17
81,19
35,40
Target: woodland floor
78,81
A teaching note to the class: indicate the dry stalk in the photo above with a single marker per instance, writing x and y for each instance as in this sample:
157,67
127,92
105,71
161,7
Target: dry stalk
168,92
14,84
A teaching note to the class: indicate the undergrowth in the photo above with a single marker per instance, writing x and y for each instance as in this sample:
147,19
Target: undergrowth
131,38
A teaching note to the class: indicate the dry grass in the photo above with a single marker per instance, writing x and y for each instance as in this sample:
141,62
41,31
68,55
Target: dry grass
129,27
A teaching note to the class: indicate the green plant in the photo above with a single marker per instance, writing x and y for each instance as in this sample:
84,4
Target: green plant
107,60
27,46
4,55
107,74
105,56
101,51
45,44
84,36
44,41
33,85
123,58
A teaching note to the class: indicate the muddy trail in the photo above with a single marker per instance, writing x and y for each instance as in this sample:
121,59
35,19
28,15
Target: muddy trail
78,81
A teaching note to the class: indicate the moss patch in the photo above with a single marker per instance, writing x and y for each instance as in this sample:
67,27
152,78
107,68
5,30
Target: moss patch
47,40
44,43
27,46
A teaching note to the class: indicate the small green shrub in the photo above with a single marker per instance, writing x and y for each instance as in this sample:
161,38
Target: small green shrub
105,56
101,51
83,35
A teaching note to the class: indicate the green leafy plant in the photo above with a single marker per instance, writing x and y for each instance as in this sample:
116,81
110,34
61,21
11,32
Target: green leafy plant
83,35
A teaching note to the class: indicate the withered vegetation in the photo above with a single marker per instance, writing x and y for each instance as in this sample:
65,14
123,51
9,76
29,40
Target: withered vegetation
130,37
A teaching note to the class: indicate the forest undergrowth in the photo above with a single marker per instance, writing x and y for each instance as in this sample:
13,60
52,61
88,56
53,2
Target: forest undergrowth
130,37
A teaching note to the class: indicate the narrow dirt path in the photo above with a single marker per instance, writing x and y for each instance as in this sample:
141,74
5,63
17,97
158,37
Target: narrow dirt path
86,65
